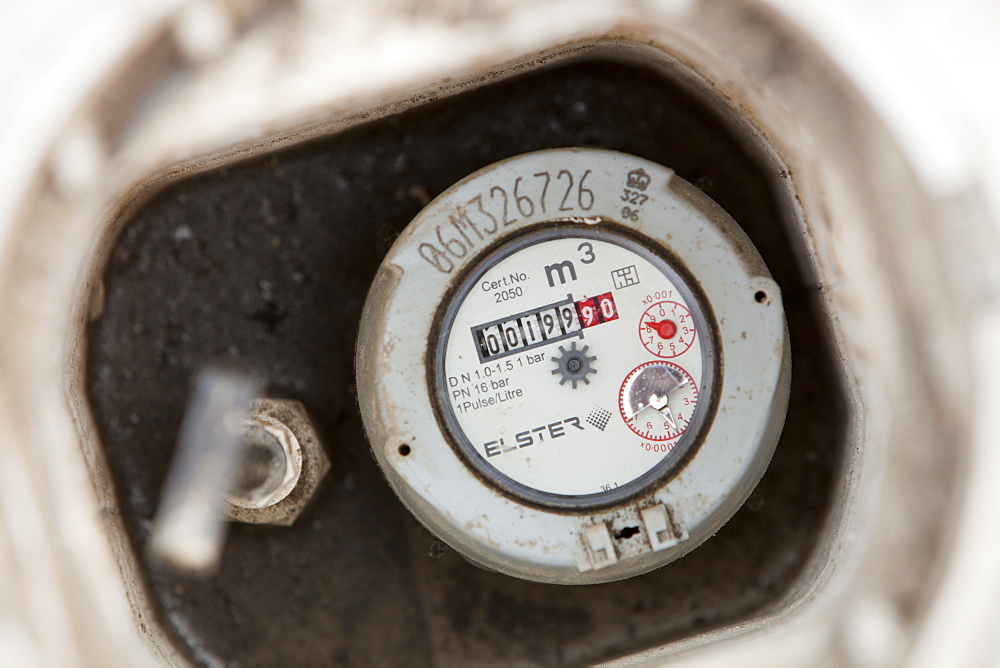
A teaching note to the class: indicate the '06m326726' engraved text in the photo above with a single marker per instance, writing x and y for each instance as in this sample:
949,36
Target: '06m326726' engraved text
481,217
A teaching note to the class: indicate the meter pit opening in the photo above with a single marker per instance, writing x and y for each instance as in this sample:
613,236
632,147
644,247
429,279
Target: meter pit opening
311,222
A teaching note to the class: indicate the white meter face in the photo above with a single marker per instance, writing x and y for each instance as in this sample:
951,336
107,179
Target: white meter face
574,366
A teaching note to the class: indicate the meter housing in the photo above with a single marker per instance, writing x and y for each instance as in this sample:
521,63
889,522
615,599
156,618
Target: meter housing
547,513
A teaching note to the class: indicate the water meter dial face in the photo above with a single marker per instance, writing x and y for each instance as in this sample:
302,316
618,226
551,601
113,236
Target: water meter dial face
544,385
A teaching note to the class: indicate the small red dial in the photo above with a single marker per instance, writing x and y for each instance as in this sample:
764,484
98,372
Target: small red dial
656,400
666,329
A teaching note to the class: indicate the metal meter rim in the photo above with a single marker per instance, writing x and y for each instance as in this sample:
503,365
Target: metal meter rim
547,544
610,231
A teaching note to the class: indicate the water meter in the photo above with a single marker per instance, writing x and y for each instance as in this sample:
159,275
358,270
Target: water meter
573,366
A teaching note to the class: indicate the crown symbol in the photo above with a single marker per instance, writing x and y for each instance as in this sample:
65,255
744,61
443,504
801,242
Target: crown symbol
638,179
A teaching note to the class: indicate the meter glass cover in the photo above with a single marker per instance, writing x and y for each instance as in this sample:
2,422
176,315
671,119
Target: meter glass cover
574,366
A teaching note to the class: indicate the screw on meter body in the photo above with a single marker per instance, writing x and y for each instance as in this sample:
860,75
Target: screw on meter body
537,342
565,370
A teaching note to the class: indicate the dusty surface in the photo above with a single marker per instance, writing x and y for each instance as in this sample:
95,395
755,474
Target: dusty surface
267,264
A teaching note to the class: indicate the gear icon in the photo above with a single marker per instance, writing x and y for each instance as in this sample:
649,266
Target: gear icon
574,365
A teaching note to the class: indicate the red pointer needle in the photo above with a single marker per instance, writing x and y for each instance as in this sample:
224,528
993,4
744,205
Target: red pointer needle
667,329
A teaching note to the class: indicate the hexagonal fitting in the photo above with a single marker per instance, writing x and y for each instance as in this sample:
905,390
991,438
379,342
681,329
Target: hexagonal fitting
283,464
